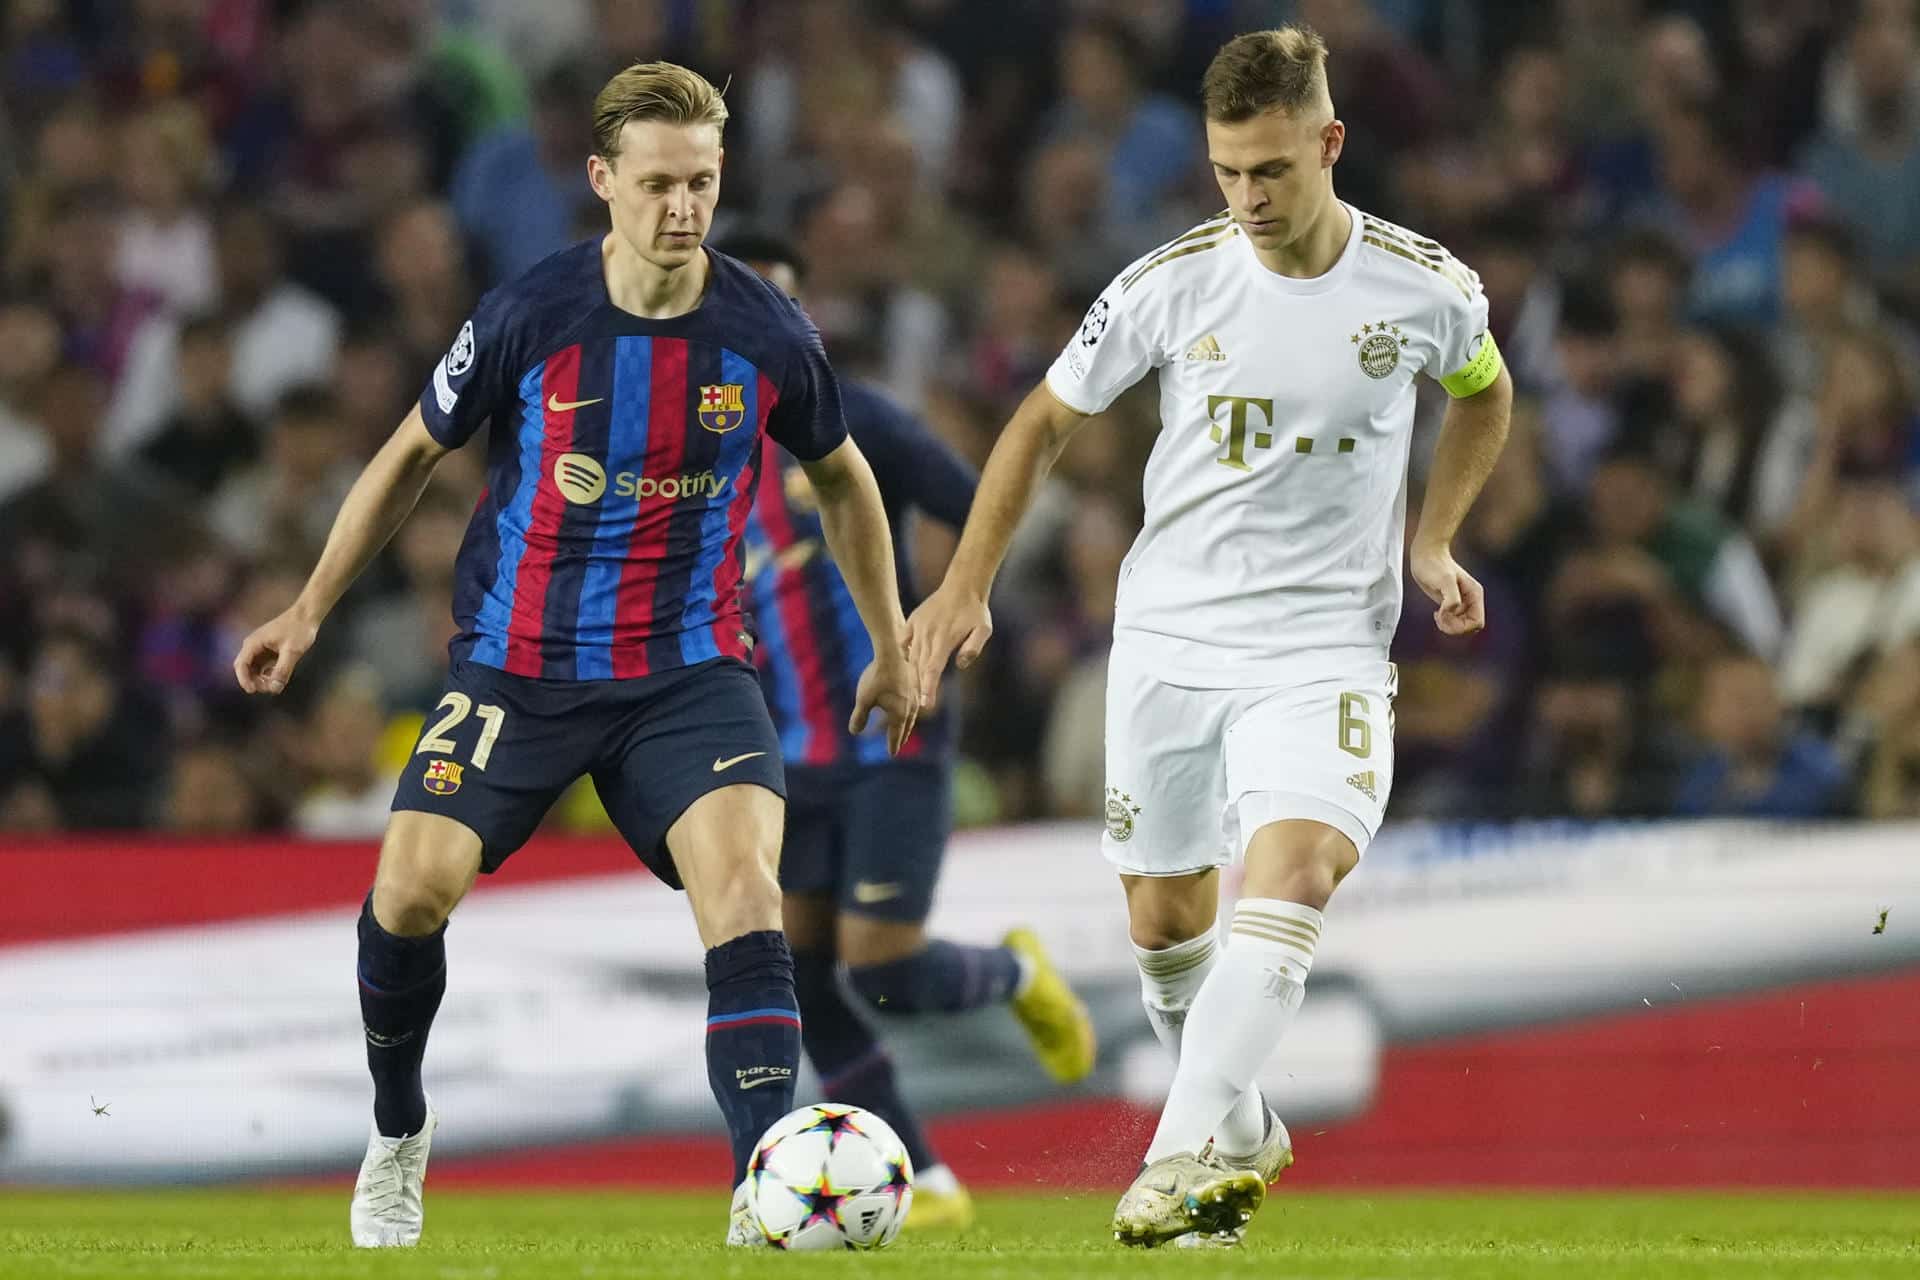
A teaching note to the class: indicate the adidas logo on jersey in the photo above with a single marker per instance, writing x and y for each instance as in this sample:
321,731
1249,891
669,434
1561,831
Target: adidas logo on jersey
1363,783
1207,350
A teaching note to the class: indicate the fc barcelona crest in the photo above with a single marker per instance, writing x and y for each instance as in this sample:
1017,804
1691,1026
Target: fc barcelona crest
723,408
442,777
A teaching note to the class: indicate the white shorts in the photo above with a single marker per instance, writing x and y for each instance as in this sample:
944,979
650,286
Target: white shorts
1193,773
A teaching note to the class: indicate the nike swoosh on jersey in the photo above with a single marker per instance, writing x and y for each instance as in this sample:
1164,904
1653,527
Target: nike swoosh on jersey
556,405
867,892
757,1081
721,766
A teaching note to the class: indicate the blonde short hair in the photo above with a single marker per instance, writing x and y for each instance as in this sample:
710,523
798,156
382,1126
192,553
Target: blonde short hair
661,91
1284,69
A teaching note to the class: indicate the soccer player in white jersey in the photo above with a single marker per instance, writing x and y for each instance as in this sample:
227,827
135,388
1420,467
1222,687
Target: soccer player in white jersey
1249,694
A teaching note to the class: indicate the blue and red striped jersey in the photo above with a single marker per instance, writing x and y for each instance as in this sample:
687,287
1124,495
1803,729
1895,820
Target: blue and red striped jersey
812,644
621,464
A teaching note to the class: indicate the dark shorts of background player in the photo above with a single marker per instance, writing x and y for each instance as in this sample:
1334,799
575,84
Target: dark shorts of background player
652,744
872,837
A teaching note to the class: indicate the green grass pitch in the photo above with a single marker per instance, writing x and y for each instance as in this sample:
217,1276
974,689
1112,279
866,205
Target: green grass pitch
607,1235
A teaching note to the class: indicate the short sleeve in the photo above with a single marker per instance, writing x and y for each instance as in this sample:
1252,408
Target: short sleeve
1111,352
807,420
1466,359
472,377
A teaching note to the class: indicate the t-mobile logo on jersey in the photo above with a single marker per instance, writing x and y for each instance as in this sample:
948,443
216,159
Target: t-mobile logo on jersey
754,1077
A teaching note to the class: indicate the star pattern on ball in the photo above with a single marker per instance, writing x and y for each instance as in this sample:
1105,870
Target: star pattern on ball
899,1181
835,1124
823,1202
757,1167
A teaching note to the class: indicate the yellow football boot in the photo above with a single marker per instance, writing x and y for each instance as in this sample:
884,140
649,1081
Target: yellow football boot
1056,1020
940,1210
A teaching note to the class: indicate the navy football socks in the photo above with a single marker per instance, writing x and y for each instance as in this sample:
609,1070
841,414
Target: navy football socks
753,1036
853,1066
941,977
401,982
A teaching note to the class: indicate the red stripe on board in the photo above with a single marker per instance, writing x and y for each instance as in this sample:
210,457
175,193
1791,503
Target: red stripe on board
80,886
793,600
1810,1086
666,451
561,380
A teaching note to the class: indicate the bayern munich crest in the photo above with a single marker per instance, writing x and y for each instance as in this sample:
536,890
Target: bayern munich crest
723,407
1379,348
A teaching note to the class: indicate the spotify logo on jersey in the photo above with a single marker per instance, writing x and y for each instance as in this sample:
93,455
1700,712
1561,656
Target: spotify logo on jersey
580,479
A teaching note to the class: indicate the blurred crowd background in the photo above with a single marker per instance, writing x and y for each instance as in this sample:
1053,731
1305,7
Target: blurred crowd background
236,235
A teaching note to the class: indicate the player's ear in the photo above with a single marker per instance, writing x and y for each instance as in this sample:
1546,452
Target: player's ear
1333,139
600,176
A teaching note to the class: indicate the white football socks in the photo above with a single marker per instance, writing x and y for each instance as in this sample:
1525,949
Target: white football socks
1169,980
1243,1008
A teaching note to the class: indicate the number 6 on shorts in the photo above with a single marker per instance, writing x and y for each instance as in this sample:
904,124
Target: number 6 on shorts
1356,733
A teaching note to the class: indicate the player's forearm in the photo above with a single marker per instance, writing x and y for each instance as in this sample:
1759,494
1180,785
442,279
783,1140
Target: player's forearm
854,521
1025,452
375,508
1471,437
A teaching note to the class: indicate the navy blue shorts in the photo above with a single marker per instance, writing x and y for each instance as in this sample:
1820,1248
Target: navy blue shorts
500,749
870,836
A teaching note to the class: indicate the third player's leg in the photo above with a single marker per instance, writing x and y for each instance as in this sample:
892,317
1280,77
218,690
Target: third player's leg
894,820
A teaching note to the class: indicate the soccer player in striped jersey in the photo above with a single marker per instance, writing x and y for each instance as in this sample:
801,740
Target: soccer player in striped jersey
867,831
1249,692
629,382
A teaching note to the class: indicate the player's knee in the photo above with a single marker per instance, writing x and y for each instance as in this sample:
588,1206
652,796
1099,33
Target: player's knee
411,908
1298,862
863,941
424,872
1158,922
740,897
809,921
1165,911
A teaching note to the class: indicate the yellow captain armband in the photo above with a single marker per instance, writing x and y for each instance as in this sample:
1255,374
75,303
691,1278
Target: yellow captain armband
1477,374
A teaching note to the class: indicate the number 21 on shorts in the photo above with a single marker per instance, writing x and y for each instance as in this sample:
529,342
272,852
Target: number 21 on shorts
459,706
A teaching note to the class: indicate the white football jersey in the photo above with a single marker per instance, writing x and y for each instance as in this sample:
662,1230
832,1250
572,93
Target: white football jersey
1276,491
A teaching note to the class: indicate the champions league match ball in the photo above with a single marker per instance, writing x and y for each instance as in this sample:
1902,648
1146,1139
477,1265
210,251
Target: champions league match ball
830,1176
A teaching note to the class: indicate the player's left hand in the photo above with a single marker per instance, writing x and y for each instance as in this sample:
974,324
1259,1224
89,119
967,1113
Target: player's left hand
890,685
1463,605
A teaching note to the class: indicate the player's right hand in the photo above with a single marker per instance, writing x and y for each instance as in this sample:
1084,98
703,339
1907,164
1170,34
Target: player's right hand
889,684
949,619
268,656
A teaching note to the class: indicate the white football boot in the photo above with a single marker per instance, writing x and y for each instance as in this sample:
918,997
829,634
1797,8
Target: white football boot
1182,1194
387,1212
743,1229
1270,1161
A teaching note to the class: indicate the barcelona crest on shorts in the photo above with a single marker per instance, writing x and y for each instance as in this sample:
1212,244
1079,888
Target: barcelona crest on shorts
723,408
442,777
